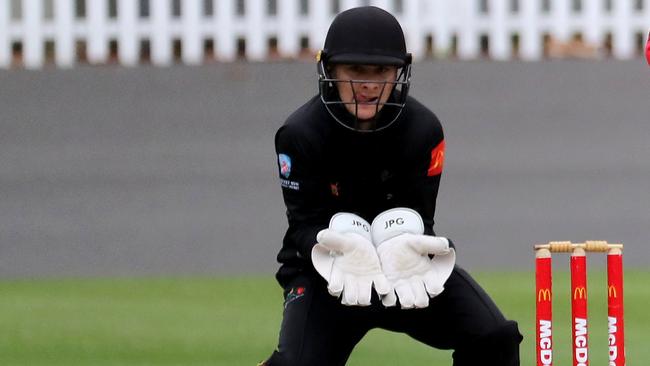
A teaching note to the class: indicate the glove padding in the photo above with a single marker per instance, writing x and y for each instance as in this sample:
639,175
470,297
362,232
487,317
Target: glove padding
405,258
345,256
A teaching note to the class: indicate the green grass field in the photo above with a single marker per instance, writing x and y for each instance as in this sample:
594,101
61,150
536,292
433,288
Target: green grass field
234,321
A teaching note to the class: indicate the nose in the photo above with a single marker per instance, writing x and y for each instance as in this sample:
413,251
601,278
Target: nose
371,85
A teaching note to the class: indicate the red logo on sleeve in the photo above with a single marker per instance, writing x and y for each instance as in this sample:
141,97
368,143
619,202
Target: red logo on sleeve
437,160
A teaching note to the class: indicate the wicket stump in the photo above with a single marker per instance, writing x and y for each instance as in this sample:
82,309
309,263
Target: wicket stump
580,334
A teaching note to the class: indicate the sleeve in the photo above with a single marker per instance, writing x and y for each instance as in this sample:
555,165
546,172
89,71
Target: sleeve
423,177
304,189
435,158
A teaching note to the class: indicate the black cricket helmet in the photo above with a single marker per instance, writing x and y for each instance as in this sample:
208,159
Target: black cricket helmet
365,36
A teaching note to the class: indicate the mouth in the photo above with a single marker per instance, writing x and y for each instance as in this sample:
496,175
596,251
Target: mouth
365,99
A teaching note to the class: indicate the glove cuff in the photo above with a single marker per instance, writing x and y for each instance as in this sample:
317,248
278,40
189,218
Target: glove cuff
345,222
394,222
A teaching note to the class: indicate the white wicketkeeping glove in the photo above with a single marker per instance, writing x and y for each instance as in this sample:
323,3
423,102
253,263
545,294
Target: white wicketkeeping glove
405,258
347,259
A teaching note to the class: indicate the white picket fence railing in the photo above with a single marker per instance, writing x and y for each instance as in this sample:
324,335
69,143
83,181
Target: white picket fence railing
34,33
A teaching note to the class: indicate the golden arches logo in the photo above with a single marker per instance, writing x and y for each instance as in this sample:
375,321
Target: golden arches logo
544,295
611,291
579,292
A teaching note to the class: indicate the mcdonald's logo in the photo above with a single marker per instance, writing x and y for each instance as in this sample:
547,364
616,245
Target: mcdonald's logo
611,291
544,295
579,292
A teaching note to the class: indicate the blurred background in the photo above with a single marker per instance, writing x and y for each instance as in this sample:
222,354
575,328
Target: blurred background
137,136
140,207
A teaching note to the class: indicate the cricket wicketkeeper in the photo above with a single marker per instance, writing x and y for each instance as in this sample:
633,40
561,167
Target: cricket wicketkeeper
360,166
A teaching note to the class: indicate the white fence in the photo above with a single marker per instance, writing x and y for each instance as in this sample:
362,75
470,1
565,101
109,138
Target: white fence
34,33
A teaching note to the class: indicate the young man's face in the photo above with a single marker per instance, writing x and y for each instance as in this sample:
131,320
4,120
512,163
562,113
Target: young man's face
369,95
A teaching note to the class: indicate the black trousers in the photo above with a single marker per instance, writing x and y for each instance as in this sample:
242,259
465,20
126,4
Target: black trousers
317,330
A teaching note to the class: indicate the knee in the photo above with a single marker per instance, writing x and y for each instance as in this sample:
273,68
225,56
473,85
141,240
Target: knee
498,346
505,334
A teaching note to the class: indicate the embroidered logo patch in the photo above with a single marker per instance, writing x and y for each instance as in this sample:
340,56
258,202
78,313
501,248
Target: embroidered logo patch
285,165
334,188
284,161
294,294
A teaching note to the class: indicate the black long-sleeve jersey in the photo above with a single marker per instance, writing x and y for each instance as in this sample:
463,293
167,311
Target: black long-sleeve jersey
326,168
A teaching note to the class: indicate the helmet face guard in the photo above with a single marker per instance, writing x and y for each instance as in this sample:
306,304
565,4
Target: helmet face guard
386,112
